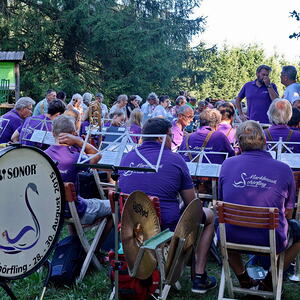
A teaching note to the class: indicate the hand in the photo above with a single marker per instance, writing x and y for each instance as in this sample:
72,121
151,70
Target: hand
69,139
266,80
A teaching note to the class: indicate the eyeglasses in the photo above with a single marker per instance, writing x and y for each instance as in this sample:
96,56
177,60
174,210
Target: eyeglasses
189,117
29,108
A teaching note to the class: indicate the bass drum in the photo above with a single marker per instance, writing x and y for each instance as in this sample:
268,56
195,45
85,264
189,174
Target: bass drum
31,209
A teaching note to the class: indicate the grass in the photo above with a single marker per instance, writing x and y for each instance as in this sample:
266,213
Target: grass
96,285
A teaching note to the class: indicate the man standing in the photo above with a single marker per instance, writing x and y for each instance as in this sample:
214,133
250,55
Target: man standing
42,107
104,110
259,94
13,119
172,178
288,79
254,178
185,117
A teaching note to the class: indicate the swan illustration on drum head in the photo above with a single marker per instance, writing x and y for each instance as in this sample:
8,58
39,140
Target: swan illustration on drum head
14,244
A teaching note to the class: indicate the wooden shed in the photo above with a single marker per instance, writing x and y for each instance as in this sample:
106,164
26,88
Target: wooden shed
10,69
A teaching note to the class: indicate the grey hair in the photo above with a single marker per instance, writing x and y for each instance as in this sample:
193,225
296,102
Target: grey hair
210,117
63,124
280,111
265,67
24,102
290,72
76,96
152,96
122,98
138,98
183,108
250,136
87,98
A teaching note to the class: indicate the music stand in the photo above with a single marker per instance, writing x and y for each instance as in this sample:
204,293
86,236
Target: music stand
40,132
3,125
111,159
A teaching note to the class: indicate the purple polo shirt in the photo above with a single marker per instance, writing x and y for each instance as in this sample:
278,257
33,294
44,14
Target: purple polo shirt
218,142
278,131
172,177
67,157
177,136
8,127
135,129
254,178
83,126
228,130
30,124
258,101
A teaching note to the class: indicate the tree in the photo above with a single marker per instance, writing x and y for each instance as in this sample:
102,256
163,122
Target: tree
296,15
132,46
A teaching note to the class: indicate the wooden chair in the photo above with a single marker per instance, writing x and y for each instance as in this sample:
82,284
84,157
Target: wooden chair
253,217
100,223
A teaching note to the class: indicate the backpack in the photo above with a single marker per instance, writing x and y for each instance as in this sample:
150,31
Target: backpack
131,288
67,261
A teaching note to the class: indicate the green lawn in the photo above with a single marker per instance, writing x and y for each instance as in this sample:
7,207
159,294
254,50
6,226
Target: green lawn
96,285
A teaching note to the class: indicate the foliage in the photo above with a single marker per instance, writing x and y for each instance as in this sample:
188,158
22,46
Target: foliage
231,67
294,14
132,46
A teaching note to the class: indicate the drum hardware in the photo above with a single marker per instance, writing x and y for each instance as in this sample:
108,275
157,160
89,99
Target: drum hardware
137,248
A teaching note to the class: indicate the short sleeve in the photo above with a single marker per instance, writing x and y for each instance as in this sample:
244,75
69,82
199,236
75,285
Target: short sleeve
242,93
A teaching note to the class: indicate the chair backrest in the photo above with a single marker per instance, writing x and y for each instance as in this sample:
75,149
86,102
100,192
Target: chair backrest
248,216
123,198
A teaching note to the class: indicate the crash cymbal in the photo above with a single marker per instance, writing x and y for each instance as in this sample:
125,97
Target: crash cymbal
139,222
186,228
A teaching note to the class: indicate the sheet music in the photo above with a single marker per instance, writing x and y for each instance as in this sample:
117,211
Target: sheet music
192,168
3,125
109,158
49,138
208,170
38,136
291,159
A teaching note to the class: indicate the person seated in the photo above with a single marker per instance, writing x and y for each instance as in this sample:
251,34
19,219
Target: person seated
185,117
180,101
161,109
42,106
279,113
134,123
13,119
65,153
134,102
120,104
227,111
294,122
207,138
42,122
254,178
172,179
75,114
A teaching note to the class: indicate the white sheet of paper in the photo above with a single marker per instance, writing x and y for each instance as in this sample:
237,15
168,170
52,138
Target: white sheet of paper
49,138
208,170
192,168
291,159
38,136
109,158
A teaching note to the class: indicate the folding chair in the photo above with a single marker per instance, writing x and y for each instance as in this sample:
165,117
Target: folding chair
100,223
253,217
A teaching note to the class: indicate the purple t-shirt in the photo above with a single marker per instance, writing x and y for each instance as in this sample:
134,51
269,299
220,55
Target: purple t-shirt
254,178
172,177
278,131
8,124
41,122
218,142
135,129
258,100
228,130
83,127
177,136
67,157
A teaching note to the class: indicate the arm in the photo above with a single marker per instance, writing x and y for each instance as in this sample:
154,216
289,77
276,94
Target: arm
71,140
15,136
188,195
271,88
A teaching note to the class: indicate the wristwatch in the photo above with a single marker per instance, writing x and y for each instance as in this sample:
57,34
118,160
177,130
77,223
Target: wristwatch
269,86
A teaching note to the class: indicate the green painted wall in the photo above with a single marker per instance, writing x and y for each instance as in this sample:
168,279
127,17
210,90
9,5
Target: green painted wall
7,71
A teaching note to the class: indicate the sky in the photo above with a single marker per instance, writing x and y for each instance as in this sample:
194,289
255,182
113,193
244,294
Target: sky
264,22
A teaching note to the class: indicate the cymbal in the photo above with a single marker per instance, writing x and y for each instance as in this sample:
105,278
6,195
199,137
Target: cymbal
186,228
139,222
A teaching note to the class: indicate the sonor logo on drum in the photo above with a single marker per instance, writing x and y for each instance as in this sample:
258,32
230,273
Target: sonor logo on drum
16,172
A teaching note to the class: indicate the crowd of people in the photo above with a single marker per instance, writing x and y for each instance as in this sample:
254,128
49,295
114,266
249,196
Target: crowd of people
190,127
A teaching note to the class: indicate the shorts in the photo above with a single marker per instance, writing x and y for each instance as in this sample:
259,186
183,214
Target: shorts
95,209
